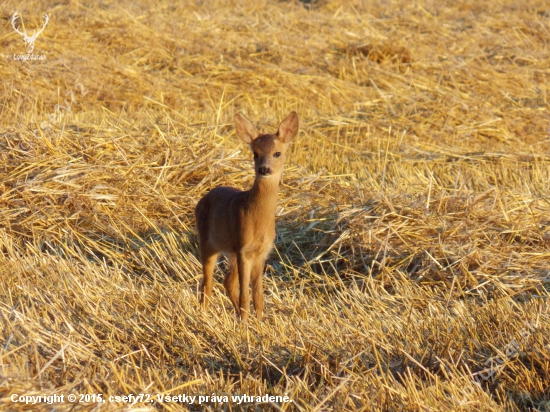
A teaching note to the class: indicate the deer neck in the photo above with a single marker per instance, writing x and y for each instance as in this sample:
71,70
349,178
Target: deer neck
263,196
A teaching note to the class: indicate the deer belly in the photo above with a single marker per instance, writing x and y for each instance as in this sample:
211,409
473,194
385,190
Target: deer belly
222,240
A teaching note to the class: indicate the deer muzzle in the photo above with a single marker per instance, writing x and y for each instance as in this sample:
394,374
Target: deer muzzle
264,171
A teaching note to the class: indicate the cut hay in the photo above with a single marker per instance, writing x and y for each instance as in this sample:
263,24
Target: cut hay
412,262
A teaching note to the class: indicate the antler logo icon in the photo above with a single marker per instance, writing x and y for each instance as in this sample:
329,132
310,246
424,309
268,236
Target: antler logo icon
29,40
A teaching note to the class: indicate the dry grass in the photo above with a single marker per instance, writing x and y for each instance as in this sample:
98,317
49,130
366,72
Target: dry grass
413,229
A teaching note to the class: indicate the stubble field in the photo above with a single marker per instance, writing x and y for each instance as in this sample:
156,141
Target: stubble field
411,269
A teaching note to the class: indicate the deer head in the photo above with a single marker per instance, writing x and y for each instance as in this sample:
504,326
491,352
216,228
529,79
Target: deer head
29,40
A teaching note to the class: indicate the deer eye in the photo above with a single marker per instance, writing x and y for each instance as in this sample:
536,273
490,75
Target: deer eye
255,155
277,154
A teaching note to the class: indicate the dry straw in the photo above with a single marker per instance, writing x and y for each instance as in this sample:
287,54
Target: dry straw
413,228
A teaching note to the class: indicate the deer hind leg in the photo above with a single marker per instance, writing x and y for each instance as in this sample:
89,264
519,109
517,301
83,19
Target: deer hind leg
209,259
244,266
257,288
231,282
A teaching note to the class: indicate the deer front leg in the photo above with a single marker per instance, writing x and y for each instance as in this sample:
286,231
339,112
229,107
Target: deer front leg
244,266
257,287
231,282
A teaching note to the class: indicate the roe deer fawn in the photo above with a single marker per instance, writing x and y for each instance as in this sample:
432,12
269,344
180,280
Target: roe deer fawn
242,223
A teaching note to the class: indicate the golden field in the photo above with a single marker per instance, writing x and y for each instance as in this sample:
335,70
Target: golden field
411,269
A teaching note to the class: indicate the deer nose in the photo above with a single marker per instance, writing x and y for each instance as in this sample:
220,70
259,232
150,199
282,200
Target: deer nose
264,171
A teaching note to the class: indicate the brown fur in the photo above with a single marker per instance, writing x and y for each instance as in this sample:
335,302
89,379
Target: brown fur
242,223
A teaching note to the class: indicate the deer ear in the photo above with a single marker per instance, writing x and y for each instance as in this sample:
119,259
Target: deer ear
288,129
245,130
